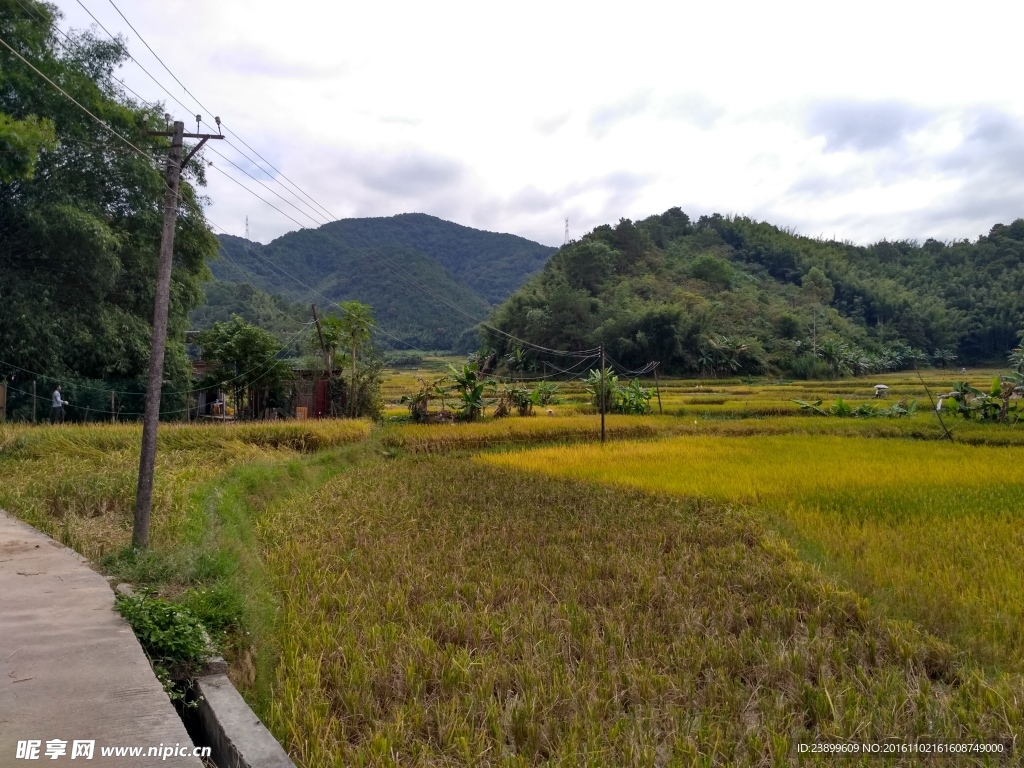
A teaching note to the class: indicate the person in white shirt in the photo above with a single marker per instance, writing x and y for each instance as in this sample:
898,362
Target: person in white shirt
57,417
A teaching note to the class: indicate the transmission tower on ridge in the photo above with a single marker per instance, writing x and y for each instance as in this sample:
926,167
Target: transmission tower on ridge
246,227
566,231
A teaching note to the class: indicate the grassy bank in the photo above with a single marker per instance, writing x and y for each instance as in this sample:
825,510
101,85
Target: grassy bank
77,483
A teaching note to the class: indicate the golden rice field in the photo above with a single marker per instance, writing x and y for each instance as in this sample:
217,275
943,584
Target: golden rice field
436,610
692,593
495,433
928,531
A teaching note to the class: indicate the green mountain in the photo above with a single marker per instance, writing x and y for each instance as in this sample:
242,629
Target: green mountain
429,281
732,295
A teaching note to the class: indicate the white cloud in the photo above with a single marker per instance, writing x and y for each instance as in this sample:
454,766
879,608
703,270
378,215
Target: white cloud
863,120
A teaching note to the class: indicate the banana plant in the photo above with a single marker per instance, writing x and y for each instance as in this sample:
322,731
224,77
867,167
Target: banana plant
545,393
470,388
814,407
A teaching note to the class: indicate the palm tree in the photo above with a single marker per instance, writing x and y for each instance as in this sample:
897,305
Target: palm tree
517,361
944,356
355,326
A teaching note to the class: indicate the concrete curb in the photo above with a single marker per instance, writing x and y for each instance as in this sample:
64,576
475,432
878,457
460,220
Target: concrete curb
70,667
237,737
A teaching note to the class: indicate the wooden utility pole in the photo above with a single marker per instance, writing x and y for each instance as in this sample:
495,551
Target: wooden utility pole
154,384
33,401
3,401
604,395
657,388
323,347
113,413
327,358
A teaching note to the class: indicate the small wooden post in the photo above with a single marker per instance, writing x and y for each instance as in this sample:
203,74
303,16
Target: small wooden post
33,401
3,401
657,388
113,413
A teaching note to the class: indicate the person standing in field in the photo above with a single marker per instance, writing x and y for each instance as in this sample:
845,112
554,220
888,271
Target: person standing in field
57,416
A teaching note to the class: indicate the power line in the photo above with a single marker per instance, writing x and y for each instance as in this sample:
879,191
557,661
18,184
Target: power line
236,377
373,253
188,109
622,370
156,56
269,164
289,202
73,100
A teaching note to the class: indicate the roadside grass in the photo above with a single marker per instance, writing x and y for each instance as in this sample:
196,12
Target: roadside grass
77,484
439,611
931,532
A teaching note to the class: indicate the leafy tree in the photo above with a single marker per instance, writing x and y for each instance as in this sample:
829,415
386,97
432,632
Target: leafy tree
247,363
590,266
21,142
944,357
713,270
275,313
1016,358
81,214
354,331
470,387
517,361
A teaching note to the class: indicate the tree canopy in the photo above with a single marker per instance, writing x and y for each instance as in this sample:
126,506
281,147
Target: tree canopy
730,295
81,212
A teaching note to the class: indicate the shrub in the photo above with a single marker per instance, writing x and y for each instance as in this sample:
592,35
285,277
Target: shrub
169,633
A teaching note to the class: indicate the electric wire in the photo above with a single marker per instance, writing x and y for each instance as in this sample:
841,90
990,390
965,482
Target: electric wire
624,371
236,377
73,100
373,253
141,38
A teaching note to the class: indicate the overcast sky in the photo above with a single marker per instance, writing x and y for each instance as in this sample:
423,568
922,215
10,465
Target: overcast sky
855,120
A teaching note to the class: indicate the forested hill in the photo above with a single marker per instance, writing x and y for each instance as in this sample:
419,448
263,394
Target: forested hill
730,295
491,263
413,269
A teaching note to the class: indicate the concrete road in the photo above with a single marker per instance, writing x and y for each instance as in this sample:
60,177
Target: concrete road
70,667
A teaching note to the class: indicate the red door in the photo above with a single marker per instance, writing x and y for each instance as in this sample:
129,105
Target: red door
322,397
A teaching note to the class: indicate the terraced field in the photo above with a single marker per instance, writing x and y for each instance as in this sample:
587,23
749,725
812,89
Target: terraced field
714,586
